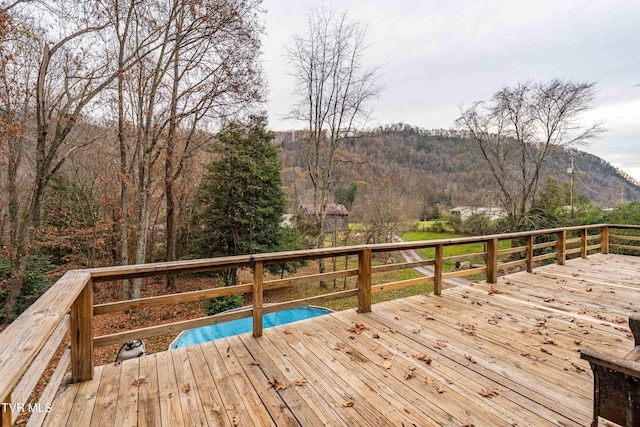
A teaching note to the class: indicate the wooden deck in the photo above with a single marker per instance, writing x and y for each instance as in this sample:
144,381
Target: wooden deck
483,355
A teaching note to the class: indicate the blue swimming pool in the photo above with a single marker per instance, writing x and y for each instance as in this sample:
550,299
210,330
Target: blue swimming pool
235,327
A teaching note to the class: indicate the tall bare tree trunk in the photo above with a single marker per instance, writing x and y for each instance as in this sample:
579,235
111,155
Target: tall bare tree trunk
169,169
335,88
123,220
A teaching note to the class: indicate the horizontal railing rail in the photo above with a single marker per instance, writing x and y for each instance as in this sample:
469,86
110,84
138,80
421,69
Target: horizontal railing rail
67,307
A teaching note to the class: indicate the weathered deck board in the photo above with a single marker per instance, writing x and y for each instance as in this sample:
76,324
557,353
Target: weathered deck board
498,355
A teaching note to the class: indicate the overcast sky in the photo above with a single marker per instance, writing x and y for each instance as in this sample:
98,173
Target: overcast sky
437,55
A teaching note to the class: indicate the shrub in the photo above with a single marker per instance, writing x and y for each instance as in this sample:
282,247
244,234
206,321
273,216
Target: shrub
218,305
441,226
18,293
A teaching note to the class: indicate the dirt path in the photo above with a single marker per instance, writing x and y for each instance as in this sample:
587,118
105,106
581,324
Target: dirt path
411,256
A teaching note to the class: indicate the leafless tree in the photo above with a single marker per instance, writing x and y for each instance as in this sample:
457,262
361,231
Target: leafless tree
384,209
521,128
202,68
70,45
171,70
215,75
335,89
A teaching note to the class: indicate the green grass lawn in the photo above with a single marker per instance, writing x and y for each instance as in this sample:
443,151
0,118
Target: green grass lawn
393,276
466,249
451,251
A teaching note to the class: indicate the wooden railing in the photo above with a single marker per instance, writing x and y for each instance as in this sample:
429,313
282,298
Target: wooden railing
28,344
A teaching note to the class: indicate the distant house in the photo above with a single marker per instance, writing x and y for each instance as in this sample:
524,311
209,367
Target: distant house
337,216
464,212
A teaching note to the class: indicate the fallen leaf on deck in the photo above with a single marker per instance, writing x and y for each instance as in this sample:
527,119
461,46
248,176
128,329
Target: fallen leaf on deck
185,388
375,336
255,362
339,346
494,291
299,382
423,357
236,420
349,403
288,332
416,331
578,368
494,319
358,328
440,344
620,319
409,374
384,353
488,392
544,350
469,358
439,388
428,380
387,364
396,317
138,382
467,328
278,385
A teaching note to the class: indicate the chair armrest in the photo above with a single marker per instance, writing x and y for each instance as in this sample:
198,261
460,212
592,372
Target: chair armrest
618,364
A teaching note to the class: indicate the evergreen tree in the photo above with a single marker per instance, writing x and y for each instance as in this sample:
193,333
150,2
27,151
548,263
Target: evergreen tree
239,206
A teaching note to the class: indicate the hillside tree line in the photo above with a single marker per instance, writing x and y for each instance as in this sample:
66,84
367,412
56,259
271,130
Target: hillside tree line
106,109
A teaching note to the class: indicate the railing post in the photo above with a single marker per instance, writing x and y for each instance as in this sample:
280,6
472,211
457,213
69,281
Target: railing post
82,335
437,275
258,278
491,260
604,240
583,242
530,253
364,281
561,246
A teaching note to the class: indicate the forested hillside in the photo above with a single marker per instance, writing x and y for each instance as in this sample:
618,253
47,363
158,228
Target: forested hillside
425,168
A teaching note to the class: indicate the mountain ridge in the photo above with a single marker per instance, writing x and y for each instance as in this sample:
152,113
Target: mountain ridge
446,164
